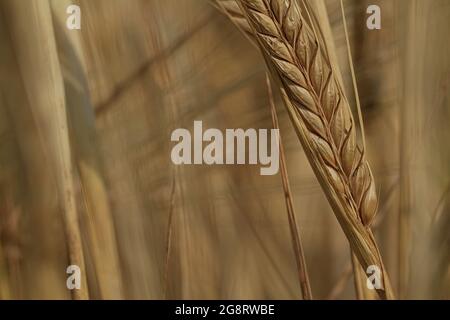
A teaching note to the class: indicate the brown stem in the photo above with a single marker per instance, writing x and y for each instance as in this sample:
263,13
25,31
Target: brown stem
295,235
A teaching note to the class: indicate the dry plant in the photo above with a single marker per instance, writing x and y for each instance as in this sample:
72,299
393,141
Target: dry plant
362,292
295,234
85,118
231,9
47,95
233,12
97,214
323,121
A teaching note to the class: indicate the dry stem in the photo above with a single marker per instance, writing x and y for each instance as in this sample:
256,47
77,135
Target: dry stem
295,235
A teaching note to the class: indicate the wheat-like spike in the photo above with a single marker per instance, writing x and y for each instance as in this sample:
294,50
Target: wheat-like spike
346,151
322,118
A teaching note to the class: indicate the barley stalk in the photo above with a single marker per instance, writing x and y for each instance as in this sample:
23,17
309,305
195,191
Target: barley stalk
322,118
97,216
295,234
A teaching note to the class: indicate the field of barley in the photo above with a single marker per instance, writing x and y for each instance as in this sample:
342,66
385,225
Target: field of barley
360,205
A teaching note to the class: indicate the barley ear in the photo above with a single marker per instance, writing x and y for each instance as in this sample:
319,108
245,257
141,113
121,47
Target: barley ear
322,118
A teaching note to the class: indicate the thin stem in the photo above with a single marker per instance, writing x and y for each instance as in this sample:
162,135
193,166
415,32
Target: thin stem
355,86
295,235
169,238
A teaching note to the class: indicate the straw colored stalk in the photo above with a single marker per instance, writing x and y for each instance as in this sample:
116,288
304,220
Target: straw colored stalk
295,234
231,9
30,26
97,218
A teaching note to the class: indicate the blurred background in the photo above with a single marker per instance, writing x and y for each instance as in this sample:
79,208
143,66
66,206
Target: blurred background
85,171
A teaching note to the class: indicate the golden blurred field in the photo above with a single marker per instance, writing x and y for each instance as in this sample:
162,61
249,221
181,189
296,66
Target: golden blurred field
86,176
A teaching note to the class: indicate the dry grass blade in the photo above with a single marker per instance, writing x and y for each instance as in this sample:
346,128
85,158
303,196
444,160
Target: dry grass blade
231,9
97,216
322,119
295,235
406,150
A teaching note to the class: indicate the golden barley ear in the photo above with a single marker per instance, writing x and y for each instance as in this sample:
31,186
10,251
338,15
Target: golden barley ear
322,118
